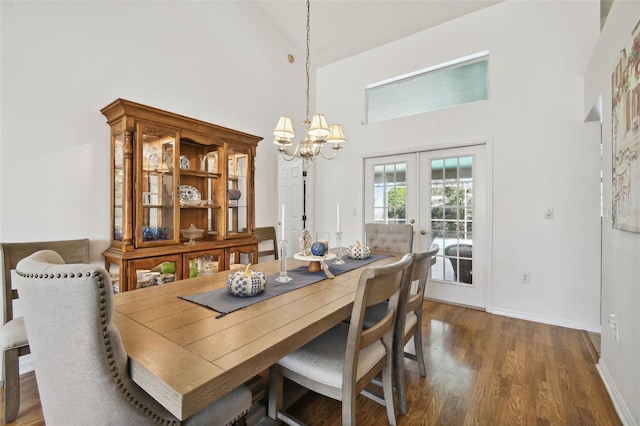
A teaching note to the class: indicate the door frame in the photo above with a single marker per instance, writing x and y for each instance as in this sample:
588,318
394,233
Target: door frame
488,144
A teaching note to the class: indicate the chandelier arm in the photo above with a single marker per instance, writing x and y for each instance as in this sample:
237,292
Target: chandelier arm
288,156
327,157
285,157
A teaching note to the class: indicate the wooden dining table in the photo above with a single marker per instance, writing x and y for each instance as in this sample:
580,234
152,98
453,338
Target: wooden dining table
187,356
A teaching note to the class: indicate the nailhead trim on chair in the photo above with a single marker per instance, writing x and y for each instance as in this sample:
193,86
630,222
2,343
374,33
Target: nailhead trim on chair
107,344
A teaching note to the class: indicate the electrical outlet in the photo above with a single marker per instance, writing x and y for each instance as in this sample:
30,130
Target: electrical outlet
524,278
548,213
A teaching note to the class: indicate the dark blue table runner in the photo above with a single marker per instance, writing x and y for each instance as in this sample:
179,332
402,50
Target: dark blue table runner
222,301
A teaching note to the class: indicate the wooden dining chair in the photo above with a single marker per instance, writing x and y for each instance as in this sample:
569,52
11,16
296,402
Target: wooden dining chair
389,237
408,321
265,234
341,362
14,337
80,361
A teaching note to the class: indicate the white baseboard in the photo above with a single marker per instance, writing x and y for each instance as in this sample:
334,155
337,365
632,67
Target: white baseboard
594,328
621,408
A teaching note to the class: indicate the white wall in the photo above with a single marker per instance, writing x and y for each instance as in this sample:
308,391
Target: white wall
62,62
620,250
543,153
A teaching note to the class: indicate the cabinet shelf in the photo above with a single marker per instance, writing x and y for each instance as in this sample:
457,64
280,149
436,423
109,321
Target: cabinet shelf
156,170
199,174
209,206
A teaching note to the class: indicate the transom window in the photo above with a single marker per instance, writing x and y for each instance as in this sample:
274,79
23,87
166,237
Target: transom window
453,83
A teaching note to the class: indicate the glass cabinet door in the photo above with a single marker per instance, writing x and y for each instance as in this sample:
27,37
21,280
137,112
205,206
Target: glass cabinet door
198,189
155,187
237,196
152,271
203,263
211,167
118,185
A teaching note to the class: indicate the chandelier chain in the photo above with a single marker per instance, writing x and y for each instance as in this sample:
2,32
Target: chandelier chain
317,131
308,63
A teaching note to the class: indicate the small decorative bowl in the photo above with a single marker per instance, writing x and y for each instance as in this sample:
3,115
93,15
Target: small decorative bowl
191,233
358,251
246,283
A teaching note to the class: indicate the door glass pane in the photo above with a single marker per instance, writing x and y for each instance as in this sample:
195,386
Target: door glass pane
452,218
390,192
378,174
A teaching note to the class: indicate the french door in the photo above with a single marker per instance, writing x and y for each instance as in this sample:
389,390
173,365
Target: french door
444,194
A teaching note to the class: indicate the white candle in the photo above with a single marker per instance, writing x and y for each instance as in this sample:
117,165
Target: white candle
282,225
338,217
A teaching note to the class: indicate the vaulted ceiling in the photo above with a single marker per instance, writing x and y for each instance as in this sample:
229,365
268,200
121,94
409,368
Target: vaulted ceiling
343,28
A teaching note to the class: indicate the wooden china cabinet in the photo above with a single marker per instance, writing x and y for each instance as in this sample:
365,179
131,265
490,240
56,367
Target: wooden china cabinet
169,174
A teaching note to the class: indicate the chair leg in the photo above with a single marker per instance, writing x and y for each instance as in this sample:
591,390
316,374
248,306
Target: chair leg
11,385
417,342
275,392
387,386
398,373
349,410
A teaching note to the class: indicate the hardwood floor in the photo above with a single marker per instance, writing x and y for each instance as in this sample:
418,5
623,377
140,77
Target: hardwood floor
482,369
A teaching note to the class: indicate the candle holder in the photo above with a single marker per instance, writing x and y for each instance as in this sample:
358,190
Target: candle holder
339,260
283,278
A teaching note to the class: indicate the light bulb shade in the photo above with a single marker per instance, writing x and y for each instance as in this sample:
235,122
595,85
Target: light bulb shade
319,127
280,141
284,128
335,134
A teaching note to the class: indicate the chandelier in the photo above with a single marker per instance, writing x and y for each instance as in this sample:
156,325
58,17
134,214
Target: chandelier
317,132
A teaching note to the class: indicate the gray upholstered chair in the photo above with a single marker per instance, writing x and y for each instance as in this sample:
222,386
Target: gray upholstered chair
408,321
390,237
14,336
462,261
341,362
267,234
80,361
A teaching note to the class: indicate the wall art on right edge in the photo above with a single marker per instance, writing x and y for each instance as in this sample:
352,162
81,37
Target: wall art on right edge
625,108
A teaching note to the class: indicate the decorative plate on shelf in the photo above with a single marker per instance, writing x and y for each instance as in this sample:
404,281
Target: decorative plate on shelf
188,192
185,164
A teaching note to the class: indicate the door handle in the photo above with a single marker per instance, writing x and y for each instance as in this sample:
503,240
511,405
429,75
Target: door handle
423,232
